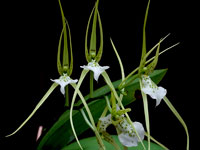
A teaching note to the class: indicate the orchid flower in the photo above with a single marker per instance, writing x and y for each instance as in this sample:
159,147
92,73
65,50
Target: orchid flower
63,81
126,134
150,88
96,68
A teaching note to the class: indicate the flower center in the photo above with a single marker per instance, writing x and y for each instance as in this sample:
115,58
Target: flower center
93,64
64,78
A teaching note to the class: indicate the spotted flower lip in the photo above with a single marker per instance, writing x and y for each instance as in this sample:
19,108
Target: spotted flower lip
63,81
150,88
96,68
126,134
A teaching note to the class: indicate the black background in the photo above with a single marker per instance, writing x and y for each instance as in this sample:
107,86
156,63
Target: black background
29,38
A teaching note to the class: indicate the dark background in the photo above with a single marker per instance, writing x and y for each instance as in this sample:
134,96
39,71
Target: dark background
29,38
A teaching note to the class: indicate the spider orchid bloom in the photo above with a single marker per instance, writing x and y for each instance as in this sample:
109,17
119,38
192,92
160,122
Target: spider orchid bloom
126,134
150,88
63,81
96,68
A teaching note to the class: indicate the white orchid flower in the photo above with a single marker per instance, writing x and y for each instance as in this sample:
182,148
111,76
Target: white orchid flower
126,134
96,68
63,81
150,88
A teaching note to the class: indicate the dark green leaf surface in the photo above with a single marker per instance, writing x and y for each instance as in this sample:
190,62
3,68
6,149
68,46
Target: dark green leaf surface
91,144
61,135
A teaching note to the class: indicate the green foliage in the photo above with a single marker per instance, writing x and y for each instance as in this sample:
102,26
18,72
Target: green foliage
61,134
90,144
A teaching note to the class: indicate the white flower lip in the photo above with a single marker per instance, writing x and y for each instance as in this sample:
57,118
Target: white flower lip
126,133
63,81
96,68
150,88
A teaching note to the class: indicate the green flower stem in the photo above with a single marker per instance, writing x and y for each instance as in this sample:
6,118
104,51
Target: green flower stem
86,119
51,89
108,103
146,114
89,114
67,96
91,84
76,87
129,82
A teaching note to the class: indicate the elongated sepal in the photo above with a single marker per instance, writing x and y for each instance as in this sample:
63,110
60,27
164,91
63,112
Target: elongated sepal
86,38
150,68
71,52
100,51
76,88
59,66
92,54
143,58
66,67
51,89
119,60
178,116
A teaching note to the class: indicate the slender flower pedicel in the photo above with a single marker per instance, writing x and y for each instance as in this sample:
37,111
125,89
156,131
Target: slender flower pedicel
150,88
63,81
96,68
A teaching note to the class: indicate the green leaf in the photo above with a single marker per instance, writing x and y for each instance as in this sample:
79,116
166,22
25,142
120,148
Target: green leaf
61,134
91,144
